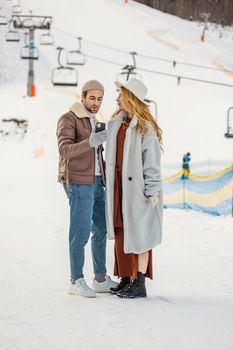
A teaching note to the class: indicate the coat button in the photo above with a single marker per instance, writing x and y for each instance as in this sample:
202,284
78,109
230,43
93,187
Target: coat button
130,178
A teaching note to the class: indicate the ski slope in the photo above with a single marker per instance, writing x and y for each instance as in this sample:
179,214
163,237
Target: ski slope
187,112
190,303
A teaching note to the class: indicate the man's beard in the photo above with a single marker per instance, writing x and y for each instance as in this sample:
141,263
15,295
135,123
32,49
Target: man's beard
90,110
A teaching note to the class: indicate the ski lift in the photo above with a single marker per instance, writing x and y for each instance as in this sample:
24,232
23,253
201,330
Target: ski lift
46,39
229,133
12,35
29,52
154,110
16,9
28,22
128,71
63,75
3,20
76,57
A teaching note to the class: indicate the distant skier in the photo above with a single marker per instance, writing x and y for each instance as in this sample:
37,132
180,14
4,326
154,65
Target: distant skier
185,166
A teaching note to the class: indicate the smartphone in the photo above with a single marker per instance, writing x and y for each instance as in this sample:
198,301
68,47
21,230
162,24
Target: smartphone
99,126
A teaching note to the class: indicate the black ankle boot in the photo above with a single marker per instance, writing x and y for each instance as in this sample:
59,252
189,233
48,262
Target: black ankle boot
136,289
124,283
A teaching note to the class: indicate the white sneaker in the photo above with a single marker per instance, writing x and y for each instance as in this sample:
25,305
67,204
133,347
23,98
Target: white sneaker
103,287
81,288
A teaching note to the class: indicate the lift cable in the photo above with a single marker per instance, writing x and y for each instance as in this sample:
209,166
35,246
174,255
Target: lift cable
104,60
179,77
105,46
63,32
174,62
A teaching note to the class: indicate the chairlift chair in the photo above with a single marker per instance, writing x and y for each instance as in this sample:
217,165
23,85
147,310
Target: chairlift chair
153,107
29,52
63,75
13,36
127,73
16,9
3,20
76,57
229,133
46,39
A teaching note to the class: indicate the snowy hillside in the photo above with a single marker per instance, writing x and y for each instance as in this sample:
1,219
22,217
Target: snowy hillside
187,112
190,303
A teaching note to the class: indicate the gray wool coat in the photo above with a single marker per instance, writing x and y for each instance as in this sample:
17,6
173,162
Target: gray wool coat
141,177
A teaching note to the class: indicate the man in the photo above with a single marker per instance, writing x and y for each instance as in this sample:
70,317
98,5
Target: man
185,166
81,170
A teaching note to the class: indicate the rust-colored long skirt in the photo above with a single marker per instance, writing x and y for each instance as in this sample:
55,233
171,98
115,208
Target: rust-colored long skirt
126,265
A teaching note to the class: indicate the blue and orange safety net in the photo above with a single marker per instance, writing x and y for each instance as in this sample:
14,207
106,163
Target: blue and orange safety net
212,194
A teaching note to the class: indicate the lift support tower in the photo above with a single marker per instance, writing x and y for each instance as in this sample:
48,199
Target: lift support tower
31,23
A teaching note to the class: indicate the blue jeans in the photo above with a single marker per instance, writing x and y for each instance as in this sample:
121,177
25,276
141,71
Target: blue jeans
87,214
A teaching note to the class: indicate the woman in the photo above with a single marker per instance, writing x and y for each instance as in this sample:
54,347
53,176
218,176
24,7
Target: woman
133,189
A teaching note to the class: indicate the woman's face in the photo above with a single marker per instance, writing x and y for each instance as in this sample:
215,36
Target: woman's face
119,102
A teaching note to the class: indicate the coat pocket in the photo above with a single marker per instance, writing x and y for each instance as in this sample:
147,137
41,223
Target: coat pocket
80,164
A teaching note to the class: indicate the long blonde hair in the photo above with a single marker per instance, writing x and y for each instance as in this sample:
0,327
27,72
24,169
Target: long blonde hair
140,110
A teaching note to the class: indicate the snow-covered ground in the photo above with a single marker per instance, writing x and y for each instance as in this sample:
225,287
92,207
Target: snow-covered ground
190,303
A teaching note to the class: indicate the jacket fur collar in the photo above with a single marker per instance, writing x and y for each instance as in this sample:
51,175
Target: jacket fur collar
79,110
120,116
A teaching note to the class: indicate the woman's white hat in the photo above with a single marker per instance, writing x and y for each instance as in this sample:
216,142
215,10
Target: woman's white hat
137,87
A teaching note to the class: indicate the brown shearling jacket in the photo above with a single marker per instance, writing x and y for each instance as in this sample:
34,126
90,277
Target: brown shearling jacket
76,157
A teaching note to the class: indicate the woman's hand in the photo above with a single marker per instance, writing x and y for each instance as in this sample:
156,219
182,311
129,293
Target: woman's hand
97,138
153,200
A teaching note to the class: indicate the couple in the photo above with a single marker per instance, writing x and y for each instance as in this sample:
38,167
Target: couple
133,188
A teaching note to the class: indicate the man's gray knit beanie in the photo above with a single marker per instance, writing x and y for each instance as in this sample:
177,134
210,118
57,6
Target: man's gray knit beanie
92,85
